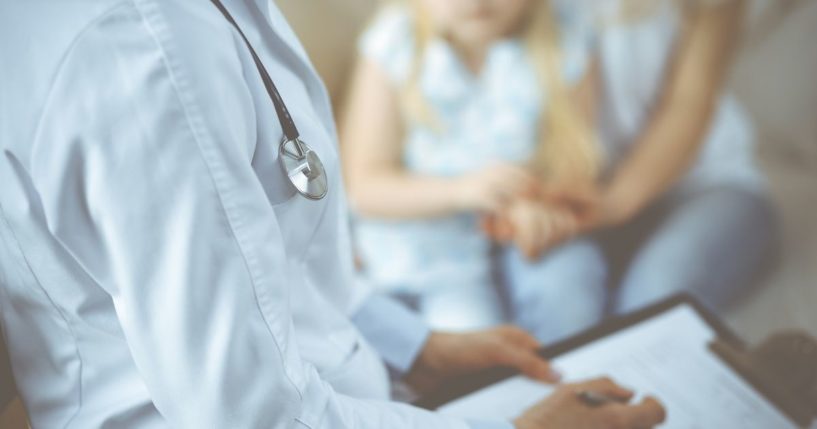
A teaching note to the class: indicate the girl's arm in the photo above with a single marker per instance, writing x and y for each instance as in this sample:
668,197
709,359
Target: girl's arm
538,224
671,141
372,132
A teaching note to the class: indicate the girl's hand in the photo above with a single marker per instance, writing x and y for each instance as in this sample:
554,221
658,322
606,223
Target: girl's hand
492,188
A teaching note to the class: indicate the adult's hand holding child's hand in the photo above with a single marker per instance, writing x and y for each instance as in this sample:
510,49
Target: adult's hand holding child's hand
536,226
532,225
593,207
557,213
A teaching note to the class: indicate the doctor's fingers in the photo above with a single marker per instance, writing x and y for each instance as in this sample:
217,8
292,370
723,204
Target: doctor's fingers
646,414
519,337
605,386
527,362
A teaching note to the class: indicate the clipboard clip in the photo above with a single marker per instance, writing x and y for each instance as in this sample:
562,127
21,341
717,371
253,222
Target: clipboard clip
783,368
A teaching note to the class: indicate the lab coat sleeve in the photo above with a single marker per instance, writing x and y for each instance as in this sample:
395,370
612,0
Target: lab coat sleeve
152,193
397,334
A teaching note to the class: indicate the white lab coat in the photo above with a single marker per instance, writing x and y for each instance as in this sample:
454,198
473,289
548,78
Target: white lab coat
157,270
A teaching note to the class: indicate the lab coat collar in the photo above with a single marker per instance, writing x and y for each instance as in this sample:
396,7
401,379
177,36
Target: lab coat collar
264,7
280,28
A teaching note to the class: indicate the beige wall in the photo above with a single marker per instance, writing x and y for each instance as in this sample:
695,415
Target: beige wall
777,79
328,29
775,75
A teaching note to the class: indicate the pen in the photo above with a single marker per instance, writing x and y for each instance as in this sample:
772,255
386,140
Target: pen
595,399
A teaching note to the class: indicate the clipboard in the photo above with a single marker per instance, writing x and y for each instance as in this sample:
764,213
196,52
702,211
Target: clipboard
725,339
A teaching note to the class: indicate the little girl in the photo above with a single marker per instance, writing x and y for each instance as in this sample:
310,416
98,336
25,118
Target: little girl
449,112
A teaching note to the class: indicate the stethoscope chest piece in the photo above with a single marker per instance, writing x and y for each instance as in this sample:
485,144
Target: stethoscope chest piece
304,168
300,163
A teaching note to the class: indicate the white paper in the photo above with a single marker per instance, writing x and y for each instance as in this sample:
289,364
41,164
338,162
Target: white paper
667,357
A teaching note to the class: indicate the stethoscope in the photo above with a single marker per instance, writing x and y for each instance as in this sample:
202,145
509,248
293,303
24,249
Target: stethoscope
300,163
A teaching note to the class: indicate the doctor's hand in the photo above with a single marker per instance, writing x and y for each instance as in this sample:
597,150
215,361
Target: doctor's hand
564,410
448,355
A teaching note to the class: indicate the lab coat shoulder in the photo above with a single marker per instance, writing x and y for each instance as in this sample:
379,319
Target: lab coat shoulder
120,98
154,196
143,169
135,45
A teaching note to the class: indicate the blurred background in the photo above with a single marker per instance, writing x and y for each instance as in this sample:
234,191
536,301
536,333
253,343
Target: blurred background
775,76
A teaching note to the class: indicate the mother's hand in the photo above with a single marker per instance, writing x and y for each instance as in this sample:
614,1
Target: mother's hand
592,206
533,226
558,213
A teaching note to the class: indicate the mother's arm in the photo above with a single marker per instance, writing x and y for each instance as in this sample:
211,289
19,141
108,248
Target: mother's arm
670,142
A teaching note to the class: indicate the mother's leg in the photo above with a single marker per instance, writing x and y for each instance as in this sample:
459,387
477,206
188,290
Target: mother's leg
711,244
559,295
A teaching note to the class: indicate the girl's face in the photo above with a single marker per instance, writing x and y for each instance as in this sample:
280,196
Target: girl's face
477,21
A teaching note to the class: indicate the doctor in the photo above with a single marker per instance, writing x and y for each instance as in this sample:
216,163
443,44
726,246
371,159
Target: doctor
167,262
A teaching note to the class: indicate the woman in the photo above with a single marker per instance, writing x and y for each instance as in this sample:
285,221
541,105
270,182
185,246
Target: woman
682,206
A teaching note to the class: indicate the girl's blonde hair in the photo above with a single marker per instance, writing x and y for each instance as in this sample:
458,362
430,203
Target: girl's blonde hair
568,147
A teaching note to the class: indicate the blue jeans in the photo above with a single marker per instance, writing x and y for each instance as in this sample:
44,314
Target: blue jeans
713,244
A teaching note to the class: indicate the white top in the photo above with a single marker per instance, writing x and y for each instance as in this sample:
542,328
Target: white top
156,268
484,119
635,57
